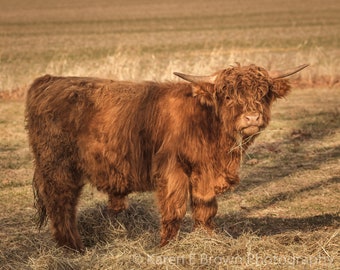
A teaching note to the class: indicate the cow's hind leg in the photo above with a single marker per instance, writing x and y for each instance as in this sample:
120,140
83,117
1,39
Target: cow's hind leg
63,220
59,191
172,194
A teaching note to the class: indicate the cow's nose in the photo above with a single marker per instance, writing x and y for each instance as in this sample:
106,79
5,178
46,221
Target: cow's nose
252,119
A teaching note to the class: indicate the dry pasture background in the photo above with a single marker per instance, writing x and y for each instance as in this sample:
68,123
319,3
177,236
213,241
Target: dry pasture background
285,213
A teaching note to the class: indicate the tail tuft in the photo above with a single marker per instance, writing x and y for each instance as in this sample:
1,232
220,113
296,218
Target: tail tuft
41,215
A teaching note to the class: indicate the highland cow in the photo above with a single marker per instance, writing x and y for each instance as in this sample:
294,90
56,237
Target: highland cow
183,139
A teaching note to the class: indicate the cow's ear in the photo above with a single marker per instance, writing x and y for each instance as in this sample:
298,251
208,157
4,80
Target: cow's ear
202,87
205,93
280,88
280,85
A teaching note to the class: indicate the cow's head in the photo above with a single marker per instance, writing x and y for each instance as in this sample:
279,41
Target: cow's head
241,96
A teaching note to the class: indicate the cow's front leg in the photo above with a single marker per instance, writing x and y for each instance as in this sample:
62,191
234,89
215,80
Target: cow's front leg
204,212
172,192
225,182
203,202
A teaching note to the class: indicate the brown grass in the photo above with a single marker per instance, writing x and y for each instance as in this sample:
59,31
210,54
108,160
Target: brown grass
284,214
144,40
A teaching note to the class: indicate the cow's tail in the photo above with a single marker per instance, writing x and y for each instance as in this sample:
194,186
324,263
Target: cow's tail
41,215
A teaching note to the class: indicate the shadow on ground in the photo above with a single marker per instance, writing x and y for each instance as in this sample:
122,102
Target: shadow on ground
292,154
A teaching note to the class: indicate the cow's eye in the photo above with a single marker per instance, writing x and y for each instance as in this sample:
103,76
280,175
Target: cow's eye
227,97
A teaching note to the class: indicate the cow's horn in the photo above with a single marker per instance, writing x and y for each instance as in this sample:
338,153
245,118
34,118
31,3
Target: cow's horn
196,79
286,73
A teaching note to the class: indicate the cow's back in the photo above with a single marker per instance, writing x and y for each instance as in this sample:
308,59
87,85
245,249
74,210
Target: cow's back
93,124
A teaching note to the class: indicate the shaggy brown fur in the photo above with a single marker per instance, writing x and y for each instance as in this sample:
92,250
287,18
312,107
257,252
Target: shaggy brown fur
184,140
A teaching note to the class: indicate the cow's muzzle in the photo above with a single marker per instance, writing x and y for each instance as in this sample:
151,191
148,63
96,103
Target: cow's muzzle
251,123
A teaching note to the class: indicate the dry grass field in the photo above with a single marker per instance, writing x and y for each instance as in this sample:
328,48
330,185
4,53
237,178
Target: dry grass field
285,212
